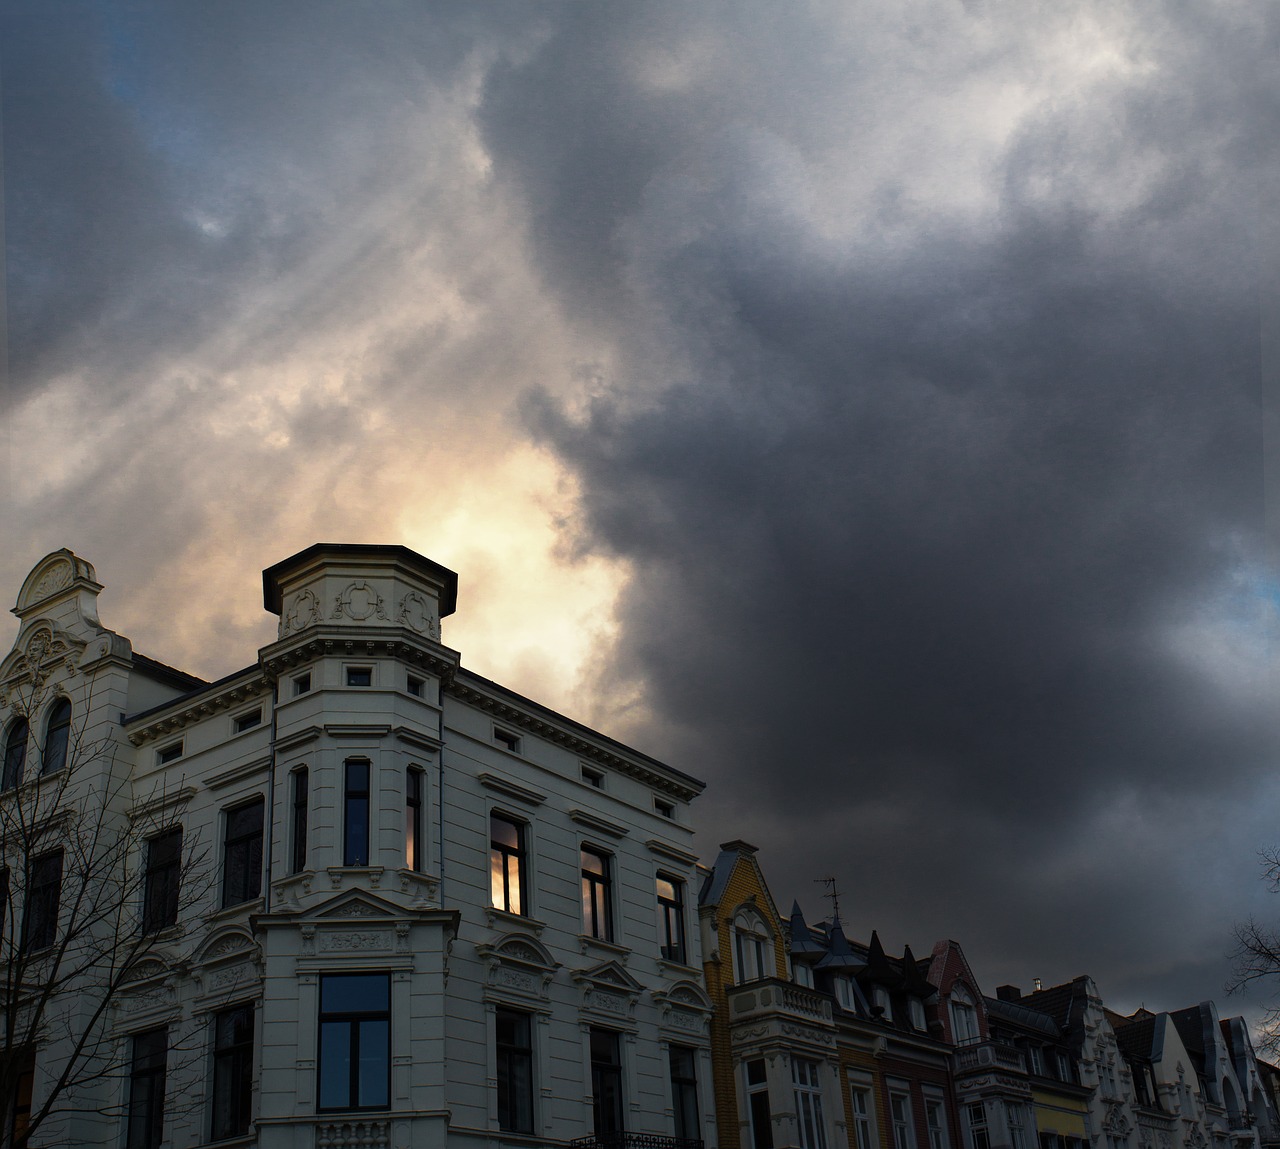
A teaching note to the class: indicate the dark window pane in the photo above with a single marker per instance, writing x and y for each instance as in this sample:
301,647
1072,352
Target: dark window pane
335,1064
15,754
375,1064
56,736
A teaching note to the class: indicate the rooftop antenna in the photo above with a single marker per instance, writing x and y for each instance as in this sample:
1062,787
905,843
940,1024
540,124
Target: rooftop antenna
833,894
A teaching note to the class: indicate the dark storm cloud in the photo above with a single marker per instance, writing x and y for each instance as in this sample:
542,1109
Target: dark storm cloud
916,529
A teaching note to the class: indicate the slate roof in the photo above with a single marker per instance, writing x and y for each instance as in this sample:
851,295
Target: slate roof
1020,1014
1136,1037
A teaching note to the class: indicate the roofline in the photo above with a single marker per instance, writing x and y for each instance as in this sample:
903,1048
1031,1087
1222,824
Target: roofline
271,598
184,699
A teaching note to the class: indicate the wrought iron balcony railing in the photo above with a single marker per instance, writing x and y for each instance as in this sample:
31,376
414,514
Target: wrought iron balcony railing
629,1140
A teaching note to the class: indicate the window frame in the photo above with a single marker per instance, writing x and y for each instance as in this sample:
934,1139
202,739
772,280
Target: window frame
608,1082
300,781
806,1083
162,881
752,946
502,856
15,753
414,787
43,902
901,1118
977,1125
597,893
243,842
233,1065
356,804
935,1106
862,1106
144,1120
170,753
759,1108
514,1070
354,1020
53,757
687,1114
352,674
673,944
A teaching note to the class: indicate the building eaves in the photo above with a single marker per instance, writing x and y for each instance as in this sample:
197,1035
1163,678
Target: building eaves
169,675
195,704
1019,1014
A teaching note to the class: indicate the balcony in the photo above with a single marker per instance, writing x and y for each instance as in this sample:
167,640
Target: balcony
1269,1135
773,996
988,1055
1240,1122
626,1140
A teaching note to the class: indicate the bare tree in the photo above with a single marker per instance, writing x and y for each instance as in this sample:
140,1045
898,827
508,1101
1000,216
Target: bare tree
1256,957
92,883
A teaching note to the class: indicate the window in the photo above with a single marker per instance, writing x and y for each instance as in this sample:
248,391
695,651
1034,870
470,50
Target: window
663,808
964,1018
413,818
513,1039
935,1120
20,1108
606,1082
146,1089
1017,1126
359,675
298,859
864,1135
671,918
15,754
883,1007
808,1093
593,777
1107,1079
40,916
751,946
979,1132
1035,1058
915,1007
57,733
801,974
684,1092
355,822
506,739
597,895
301,684
248,721
169,753
904,1134
758,1105
414,686
232,1071
242,854
160,897
506,864
355,1041
1064,1068
4,898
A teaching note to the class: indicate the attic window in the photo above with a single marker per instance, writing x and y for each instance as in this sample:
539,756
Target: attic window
506,739
664,809
248,721
414,686
169,753
359,675
302,684
916,1008
593,777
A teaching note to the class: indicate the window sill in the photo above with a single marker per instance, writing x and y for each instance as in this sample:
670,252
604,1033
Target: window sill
504,919
251,906
339,875
679,969
610,949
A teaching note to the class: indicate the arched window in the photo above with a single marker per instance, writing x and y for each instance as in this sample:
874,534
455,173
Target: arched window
752,946
15,754
57,731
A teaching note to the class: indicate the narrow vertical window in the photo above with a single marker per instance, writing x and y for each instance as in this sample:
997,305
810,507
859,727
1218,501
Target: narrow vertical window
808,1095
513,1039
356,814
758,1105
935,1120
979,1132
1017,1126
900,1116
597,895
298,858
40,917
146,1089
15,754
684,1092
863,1130
964,1017
413,818
506,864
164,864
232,1071
242,854
355,1041
57,734
671,918
606,1083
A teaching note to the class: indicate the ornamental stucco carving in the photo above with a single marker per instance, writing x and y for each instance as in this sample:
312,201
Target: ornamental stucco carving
359,602
416,613
356,940
303,611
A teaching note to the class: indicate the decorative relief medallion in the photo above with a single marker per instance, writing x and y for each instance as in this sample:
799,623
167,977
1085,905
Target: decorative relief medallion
54,579
516,979
235,976
683,1019
610,1002
416,614
359,602
304,611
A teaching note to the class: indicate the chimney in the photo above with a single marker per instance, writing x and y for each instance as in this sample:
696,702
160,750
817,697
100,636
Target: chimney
1008,993
1036,982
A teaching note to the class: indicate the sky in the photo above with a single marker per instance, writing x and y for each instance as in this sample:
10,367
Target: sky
864,408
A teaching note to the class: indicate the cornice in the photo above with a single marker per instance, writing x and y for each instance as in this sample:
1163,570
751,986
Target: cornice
358,642
197,707
563,734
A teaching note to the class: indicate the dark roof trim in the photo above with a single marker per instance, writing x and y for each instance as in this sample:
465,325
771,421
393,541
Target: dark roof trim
184,699
169,675
272,575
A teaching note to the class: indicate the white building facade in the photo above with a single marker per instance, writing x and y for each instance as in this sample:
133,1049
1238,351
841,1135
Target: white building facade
385,901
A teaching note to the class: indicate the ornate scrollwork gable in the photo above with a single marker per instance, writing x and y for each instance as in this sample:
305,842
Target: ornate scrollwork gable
148,995
519,966
685,1007
608,992
228,964
27,670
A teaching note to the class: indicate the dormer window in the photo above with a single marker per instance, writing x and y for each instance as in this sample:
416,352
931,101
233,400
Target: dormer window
964,1017
915,1007
752,944
844,993
801,974
880,998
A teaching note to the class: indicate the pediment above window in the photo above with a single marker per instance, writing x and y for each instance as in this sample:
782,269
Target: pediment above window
685,1007
357,904
608,991
518,966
